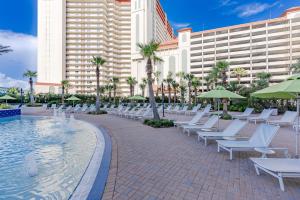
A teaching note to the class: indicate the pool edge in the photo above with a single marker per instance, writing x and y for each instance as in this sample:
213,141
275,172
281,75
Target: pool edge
98,187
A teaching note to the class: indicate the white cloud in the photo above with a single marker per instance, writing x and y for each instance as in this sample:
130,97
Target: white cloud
24,55
253,9
8,82
180,25
227,3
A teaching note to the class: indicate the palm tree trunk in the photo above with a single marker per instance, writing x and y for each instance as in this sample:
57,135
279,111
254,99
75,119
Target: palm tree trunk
109,96
175,96
98,89
31,91
63,95
151,92
196,94
115,94
169,91
190,95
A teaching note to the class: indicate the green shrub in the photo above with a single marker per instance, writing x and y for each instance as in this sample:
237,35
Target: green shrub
34,105
226,117
163,123
4,106
101,112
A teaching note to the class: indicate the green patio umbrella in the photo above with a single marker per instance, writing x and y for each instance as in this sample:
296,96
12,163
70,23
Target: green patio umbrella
289,89
137,98
73,98
7,97
220,93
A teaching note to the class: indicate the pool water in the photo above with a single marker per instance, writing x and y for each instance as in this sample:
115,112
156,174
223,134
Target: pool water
43,157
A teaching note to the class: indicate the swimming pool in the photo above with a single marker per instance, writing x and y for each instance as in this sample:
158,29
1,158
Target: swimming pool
46,157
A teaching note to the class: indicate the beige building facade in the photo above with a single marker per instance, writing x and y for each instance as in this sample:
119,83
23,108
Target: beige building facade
265,46
71,32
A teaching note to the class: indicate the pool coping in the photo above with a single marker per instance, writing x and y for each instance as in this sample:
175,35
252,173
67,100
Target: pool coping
95,190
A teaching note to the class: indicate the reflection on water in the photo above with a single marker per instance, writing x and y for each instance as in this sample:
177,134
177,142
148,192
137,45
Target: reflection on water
43,158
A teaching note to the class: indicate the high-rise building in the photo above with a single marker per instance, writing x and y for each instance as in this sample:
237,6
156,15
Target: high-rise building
264,46
71,32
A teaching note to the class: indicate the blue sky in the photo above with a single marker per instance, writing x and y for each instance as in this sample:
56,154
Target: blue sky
18,25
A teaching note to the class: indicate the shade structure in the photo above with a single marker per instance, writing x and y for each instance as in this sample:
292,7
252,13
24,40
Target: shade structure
7,97
73,98
289,89
220,93
137,98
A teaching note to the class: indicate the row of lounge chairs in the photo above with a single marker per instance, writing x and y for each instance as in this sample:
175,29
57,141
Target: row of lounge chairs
137,113
183,111
76,109
260,140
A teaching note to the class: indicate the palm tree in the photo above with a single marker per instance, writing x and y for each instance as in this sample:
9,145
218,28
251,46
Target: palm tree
296,67
263,79
115,81
222,68
65,84
182,92
175,86
169,81
131,81
208,82
109,88
189,78
180,75
148,51
195,84
239,73
157,79
143,86
30,74
98,62
4,49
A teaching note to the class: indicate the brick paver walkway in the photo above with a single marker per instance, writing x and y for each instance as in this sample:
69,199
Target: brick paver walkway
158,164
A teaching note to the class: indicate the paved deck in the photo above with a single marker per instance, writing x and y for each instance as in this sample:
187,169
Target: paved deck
159,164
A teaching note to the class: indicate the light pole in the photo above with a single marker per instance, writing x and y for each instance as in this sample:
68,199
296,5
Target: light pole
163,98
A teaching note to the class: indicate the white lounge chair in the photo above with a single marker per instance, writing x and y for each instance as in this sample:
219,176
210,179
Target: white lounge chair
194,110
53,106
77,108
230,131
194,121
287,119
183,110
44,106
209,124
263,117
261,138
68,109
244,115
278,167
175,110
207,109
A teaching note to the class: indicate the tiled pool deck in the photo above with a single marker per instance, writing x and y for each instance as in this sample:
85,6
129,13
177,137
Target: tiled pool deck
159,164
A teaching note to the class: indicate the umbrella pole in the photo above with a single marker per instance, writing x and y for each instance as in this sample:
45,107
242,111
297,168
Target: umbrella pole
297,127
218,114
